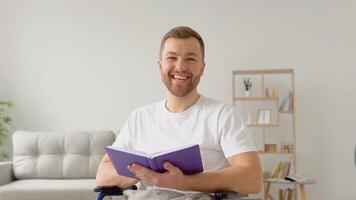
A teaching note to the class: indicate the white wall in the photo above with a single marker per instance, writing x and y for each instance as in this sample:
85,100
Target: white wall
84,65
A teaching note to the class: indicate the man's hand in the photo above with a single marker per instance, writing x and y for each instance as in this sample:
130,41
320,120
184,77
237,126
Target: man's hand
107,176
172,178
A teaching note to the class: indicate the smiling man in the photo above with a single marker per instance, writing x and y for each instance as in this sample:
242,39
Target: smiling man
230,160
182,66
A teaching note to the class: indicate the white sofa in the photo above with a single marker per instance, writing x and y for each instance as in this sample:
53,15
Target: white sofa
53,165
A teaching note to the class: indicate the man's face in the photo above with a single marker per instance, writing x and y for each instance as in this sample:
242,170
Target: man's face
181,65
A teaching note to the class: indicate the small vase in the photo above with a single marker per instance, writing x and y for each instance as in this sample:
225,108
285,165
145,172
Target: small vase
247,93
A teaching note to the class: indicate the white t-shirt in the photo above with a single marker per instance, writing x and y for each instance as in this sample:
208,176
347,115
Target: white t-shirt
214,125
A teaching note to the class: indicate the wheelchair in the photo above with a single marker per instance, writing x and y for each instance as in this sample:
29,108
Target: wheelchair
104,191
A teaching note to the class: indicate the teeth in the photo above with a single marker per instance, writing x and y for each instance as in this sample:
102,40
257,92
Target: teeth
180,77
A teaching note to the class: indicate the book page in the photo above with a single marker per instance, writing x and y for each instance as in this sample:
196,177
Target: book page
171,150
131,151
186,158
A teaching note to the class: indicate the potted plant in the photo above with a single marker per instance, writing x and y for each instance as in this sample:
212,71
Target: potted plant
248,86
5,124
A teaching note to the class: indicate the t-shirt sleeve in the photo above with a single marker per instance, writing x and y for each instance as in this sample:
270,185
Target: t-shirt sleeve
234,135
124,139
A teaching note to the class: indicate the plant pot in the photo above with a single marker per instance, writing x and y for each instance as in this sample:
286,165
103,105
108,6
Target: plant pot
247,93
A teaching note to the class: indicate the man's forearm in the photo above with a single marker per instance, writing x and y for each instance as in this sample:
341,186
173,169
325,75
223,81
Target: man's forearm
107,176
236,178
244,175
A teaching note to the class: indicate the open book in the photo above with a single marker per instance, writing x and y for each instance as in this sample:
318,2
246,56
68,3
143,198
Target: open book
186,158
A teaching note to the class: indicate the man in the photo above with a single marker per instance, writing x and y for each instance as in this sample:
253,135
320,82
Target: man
185,117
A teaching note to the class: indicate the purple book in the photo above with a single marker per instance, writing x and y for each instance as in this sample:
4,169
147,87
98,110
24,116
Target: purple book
187,159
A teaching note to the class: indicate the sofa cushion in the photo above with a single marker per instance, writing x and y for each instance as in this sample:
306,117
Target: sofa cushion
57,155
40,189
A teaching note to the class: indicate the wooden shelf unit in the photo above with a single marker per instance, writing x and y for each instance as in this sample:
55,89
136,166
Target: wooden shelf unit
261,75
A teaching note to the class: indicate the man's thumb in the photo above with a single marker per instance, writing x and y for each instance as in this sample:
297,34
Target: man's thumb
171,168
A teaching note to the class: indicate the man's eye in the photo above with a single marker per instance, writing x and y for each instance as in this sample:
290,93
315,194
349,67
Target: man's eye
191,59
171,58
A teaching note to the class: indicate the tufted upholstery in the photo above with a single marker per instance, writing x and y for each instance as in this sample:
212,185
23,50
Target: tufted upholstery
58,155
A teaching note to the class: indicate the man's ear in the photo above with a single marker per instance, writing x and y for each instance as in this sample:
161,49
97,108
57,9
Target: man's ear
202,69
159,64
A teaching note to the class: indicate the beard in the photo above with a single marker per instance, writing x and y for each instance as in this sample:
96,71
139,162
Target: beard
180,90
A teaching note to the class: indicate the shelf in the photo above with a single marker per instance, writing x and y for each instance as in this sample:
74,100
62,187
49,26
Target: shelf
259,72
256,98
262,125
286,112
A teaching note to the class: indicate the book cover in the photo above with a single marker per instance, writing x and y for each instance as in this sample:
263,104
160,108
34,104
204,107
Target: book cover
187,159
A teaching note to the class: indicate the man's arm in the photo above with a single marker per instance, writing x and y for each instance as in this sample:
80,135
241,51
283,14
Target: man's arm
107,176
244,175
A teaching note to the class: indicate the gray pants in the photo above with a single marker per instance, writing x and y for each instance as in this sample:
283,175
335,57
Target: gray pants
160,194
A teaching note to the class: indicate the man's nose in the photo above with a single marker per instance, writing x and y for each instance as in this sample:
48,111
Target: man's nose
180,64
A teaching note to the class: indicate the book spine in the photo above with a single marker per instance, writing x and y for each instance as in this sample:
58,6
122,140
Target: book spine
276,172
153,164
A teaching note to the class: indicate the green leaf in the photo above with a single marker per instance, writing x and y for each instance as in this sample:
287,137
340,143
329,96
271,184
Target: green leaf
5,123
7,120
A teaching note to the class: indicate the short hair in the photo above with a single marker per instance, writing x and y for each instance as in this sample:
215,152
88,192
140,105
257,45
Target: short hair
182,32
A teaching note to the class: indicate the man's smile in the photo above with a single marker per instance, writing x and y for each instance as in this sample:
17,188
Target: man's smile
179,78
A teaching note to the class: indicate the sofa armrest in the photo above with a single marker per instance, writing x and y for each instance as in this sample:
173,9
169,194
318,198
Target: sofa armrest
6,173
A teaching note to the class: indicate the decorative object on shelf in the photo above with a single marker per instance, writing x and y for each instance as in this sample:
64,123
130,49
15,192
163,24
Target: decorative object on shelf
248,86
271,92
5,124
287,103
270,148
264,116
282,169
249,120
286,148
